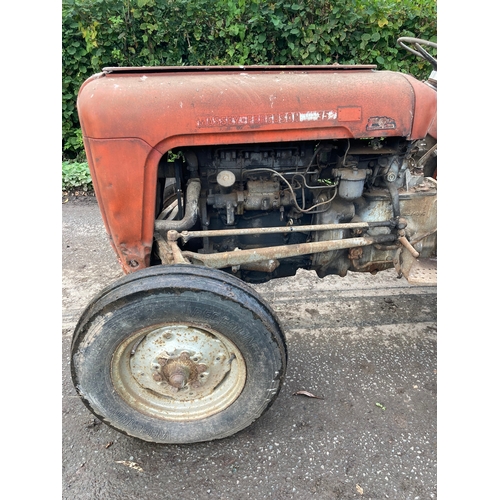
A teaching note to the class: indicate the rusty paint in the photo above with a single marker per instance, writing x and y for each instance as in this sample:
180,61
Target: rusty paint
243,257
188,235
130,117
188,374
266,266
355,253
180,371
164,250
404,241
373,267
380,123
176,253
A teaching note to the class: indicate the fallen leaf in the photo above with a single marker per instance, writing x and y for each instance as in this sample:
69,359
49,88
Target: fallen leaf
308,394
380,405
108,445
130,464
359,489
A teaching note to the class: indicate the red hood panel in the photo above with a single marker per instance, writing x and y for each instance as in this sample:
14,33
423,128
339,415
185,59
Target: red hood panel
169,109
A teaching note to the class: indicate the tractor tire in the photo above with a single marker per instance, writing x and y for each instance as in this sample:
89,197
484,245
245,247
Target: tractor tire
178,354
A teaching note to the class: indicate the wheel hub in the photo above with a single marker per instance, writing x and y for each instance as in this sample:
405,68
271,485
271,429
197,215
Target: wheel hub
179,371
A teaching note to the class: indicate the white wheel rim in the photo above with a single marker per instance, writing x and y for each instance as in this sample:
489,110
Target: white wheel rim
178,372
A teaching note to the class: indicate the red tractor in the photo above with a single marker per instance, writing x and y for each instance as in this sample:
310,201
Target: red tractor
210,178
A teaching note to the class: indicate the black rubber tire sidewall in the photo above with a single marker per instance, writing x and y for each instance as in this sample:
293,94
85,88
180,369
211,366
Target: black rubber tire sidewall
229,310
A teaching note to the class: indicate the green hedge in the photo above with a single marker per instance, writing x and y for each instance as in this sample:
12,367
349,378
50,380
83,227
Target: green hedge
99,33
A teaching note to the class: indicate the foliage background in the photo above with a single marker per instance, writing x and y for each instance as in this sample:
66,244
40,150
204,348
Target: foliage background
100,33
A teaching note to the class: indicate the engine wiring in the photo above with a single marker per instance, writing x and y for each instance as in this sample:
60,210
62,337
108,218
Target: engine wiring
301,186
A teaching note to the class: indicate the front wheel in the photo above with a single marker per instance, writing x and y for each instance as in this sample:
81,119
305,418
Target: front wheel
178,354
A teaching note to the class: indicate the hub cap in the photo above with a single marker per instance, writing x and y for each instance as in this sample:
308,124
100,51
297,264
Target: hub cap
178,372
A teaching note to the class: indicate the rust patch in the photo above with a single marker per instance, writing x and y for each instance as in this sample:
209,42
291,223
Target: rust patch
381,123
355,253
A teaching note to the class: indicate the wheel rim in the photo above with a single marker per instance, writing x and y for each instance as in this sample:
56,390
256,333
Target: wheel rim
178,372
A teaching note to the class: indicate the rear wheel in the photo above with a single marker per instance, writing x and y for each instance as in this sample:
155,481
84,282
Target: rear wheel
178,354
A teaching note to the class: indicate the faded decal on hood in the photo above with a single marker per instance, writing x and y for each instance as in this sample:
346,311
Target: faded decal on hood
267,118
381,123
